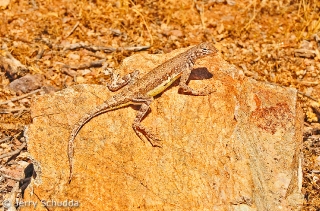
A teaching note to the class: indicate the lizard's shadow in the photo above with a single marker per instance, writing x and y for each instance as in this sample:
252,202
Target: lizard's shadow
200,73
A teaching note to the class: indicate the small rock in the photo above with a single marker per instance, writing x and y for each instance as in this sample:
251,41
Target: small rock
305,53
220,28
25,101
85,72
23,163
231,2
311,69
12,67
73,56
306,45
27,83
309,91
49,89
311,117
301,72
306,50
4,4
115,32
81,80
176,33
47,63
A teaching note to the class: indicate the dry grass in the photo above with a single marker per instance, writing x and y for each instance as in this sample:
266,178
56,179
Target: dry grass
258,36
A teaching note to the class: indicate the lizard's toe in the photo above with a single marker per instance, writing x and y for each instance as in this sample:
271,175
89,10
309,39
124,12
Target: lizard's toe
156,143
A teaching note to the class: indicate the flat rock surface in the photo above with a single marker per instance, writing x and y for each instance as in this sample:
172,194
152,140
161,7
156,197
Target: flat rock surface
236,149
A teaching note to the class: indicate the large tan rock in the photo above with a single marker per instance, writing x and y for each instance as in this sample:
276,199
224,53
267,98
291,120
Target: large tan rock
236,149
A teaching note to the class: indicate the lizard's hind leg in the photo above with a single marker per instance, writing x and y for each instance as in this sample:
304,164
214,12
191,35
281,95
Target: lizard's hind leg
117,82
139,128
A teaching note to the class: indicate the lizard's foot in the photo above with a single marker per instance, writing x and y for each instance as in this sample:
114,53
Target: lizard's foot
154,141
142,133
209,89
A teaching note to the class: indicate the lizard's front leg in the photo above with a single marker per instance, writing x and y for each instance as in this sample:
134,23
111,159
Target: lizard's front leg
138,127
187,89
117,82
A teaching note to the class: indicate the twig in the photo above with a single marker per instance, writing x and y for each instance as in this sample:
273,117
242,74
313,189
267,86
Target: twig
134,48
308,96
20,97
17,151
9,177
93,48
95,55
309,83
65,69
5,139
7,111
40,54
46,41
315,171
72,30
102,48
86,66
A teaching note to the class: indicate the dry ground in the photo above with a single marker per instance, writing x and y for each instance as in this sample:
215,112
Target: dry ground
274,41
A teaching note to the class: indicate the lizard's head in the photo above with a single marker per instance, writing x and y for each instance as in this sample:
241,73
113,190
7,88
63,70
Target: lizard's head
205,49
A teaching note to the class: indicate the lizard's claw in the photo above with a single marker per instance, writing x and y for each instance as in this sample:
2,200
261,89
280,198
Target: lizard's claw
156,142
207,90
210,90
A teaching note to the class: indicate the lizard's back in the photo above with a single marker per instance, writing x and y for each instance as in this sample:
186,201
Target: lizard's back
158,79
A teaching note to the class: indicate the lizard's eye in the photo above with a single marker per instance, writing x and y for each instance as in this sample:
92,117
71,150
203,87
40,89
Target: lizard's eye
205,50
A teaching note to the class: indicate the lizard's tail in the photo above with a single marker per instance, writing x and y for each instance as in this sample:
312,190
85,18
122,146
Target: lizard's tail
112,104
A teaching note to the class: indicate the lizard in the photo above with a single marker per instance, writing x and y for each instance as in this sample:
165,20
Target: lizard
141,91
